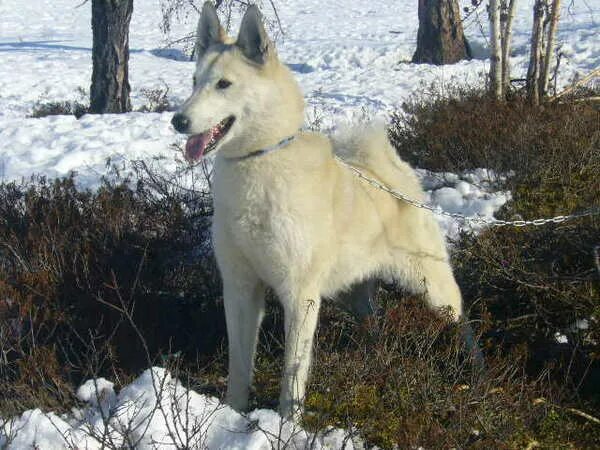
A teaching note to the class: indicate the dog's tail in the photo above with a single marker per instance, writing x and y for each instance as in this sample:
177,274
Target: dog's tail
367,147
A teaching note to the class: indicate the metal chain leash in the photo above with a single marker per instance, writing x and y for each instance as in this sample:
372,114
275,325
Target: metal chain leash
461,217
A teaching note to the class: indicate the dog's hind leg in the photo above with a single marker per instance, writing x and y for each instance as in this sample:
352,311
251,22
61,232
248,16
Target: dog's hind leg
244,298
301,316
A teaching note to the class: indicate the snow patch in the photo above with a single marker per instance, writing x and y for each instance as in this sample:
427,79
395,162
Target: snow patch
472,195
156,411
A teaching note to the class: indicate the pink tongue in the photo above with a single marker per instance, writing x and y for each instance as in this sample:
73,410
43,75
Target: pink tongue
196,144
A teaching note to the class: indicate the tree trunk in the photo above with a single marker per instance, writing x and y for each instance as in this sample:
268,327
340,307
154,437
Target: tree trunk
496,49
535,56
440,38
553,26
109,92
506,45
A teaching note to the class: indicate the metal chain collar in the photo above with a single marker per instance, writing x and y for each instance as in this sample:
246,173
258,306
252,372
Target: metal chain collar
461,217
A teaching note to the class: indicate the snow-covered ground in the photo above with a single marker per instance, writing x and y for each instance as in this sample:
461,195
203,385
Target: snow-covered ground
155,411
349,55
351,58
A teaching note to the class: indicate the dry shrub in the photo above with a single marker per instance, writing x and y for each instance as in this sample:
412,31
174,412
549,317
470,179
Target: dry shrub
71,259
552,159
58,109
157,100
466,129
44,107
403,379
531,287
539,287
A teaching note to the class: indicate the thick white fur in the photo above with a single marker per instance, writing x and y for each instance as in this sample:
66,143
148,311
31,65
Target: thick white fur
297,221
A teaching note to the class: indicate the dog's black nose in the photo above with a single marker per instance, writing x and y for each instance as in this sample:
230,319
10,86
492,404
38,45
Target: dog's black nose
180,122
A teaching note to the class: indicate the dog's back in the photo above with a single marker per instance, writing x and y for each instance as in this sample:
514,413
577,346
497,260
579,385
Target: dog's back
367,147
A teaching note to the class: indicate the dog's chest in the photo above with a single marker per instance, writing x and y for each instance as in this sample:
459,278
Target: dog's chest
255,208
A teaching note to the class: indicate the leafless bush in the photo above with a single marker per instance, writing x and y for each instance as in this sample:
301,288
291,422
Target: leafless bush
77,108
162,416
536,288
157,100
50,280
111,282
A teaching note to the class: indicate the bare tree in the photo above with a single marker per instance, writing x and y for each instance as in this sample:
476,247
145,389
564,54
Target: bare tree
501,15
545,25
506,19
535,54
227,9
440,38
543,37
109,92
496,64
554,16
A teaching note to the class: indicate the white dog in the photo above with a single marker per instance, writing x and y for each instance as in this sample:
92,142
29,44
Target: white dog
288,215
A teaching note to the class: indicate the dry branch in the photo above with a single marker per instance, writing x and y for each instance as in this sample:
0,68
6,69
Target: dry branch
593,74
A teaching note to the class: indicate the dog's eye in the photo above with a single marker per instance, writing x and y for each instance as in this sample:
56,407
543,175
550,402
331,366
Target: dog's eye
223,83
194,81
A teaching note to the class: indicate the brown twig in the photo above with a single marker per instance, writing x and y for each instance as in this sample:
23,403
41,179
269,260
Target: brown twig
593,74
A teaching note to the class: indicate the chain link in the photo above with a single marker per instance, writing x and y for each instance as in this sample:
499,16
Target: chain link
477,220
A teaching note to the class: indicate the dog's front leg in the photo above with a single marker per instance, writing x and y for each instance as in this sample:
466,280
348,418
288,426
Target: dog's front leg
244,298
301,317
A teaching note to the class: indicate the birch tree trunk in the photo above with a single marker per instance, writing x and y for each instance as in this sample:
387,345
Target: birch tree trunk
506,45
550,43
496,49
535,55
110,89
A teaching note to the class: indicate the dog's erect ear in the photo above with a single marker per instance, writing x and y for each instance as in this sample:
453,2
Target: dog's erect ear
252,39
209,30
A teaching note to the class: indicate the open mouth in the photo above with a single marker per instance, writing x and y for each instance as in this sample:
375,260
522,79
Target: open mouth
203,143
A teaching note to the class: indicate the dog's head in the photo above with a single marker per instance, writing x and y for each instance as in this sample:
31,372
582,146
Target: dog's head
243,98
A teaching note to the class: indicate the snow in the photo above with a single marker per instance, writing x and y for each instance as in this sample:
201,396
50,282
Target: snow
156,411
470,195
580,326
57,145
560,338
351,58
